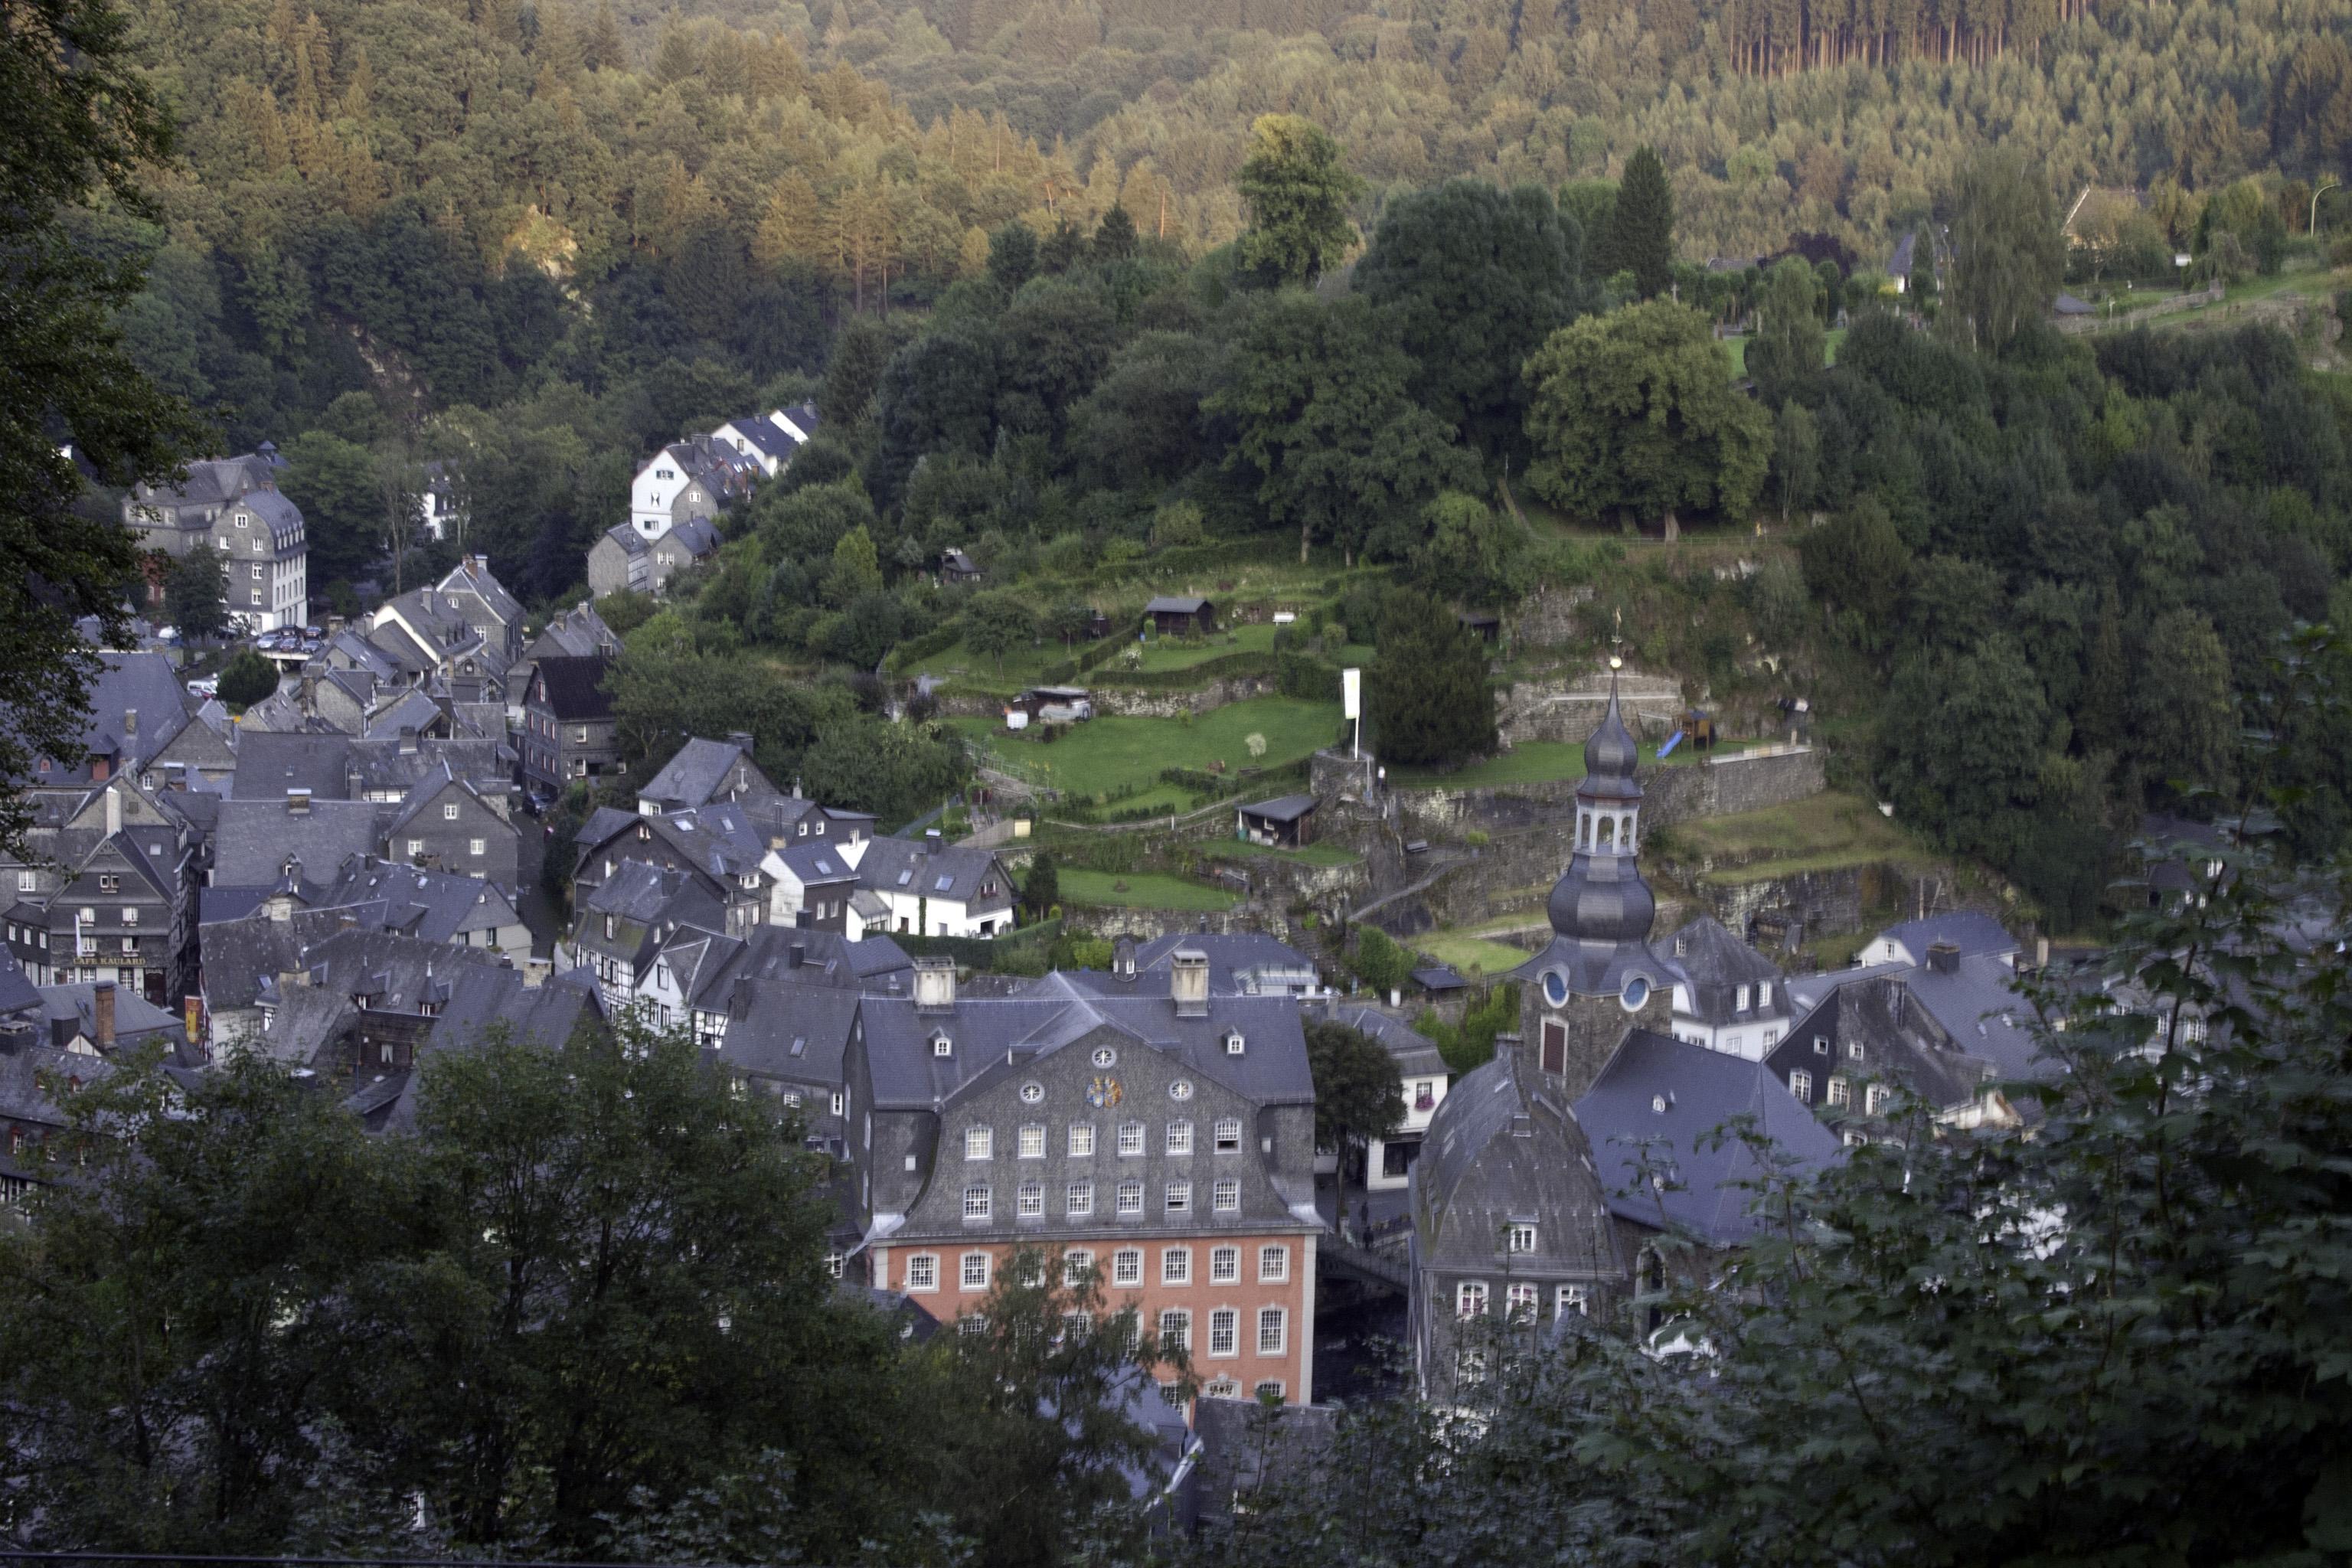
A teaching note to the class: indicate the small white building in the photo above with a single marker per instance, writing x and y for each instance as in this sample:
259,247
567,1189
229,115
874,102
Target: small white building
1727,995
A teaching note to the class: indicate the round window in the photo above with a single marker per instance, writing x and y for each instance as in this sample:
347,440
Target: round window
1104,1056
1636,992
1555,985
1032,1093
1180,1089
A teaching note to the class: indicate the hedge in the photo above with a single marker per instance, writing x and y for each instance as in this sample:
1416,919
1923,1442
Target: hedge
938,640
1231,666
980,952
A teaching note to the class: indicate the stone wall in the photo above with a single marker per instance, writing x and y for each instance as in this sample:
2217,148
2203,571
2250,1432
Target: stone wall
1751,781
1547,618
1132,702
1550,710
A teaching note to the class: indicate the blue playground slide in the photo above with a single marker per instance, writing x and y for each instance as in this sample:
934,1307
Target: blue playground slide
1668,749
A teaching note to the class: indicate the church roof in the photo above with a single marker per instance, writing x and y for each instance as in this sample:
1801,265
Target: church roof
1500,1150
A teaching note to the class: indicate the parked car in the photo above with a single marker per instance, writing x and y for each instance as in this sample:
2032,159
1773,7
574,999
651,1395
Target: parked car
205,686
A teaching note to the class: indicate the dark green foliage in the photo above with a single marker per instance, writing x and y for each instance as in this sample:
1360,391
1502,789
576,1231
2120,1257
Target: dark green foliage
1012,256
1359,1094
1857,569
1115,237
246,678
193,588
897,771
1318,397
1640,234
1467,1044
2006,253
995,623
1380,963
1788,347
1476,279
1299,192
1427,701
852,376
75,121
1041,889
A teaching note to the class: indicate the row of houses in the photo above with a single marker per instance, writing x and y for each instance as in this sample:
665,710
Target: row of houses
679,493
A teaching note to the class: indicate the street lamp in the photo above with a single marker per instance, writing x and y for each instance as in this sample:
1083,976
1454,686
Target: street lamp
2325,186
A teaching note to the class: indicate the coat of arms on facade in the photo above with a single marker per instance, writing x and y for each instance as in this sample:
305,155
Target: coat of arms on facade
1104,1093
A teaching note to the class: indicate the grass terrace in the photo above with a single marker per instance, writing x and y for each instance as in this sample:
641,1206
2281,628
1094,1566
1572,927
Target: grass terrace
1828,831
1312,855
1548,762
1143,890
1095,759
1475,957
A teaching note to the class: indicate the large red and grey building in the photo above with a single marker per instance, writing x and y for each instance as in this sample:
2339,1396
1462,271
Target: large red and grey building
1162,1135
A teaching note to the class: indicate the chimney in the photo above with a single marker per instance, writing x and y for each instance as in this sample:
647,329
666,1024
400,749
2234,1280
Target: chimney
114,812
1944,957
742,738
1122,958
935,981
798,956
175,776
335,625
298,803
102,1015
409,740
1188,983
931,841
2041,953
130,723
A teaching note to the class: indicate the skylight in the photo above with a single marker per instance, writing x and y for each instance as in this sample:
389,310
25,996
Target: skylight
905,878
944,884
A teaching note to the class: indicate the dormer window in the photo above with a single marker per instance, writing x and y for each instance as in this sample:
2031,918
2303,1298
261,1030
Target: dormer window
1233,1043
241,520
1853,1050
449,812
941,1045
1740,1005
1764,994
1523,1239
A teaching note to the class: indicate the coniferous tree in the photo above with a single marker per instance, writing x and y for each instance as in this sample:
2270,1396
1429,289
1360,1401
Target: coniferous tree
1428,704
1115,237
1640,239
603,48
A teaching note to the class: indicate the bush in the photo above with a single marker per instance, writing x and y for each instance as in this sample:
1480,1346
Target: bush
1295,675
246,678
1380,963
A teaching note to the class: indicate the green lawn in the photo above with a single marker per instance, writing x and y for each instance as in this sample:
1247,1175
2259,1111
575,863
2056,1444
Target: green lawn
1828,832
1143,890
1312,855
1105,755
1471,955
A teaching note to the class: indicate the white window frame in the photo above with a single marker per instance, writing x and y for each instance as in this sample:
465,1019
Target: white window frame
1075,1265
477,847
1082,1140
922,1273
1523,1293
1274,1264
1470,1298
1130,1140
1268,1387
1840,1093
1176,1328
978,1202
1225,1195
449,811
1175,1266
1801,1084
980,1142
1032,1144
1180,1137
1875,1098
1273,1330
1029,1201
972,1271
1522,1238
1570,1297
1177,1197
1229,1132
1127,1266
1224,1266
1224,1331
1079,1200
1129,1197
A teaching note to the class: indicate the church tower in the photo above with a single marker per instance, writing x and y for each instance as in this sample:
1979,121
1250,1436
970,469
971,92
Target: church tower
1597,977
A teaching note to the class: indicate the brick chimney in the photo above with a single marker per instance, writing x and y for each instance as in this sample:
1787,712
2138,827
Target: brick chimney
102,1015
130,723
298,803
1188,983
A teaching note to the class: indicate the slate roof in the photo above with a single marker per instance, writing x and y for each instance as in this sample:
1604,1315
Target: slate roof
645,901
426,612
411,710
1241,963
918,869
480,1000
281,516
1440,977
144,683
436,782
16,992
1499,1150
579,630
270,762
1053,1011
626,536
695,534
239,954
1175,605
71,1009
693,776
472,576
1656,1088
818,861
1715,964
25,1075
1904,1042
574,688
1977,1004
1282,808
437,906
1964,929
210,481
1415,1054
255,837
1899,264
708,964
763,432
379,764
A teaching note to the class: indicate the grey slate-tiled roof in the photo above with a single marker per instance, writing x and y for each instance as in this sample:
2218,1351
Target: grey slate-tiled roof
695,534
256,836
1282,808
143,683
1175,605
1970,931
281,516
1656,1088
625,535
435,905
1500,1151
240,955
766,436
819,860
473,576
411,710
481,1001
574,688
72,1009
1440,977
1241,963
16,992
379,764
1904,1043
1977,1004
918,869
1415,1052
269,764
693,776
1714,965
1053,1011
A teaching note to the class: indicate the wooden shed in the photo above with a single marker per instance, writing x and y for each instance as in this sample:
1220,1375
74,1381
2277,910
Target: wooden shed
1180,615
1285,823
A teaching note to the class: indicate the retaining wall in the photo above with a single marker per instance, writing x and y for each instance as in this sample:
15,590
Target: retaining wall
1751,781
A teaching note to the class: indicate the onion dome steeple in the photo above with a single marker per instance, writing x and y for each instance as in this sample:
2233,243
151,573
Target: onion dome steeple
1602,897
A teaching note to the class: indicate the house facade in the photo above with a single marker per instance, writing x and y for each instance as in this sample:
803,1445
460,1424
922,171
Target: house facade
233,505
1165,1142
569,731
108,894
